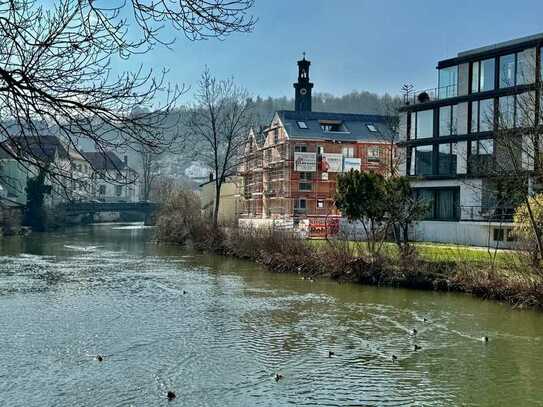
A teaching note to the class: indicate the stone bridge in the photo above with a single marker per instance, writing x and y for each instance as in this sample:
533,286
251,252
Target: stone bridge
82,208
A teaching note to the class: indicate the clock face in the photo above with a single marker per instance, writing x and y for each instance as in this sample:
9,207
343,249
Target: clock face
303,91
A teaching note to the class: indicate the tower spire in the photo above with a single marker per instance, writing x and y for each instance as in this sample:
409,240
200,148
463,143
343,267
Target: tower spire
302,98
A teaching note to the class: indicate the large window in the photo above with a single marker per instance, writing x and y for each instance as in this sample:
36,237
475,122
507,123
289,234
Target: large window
507,71
506,109
482,115
347,152
300,148
481,156
448,121
448,79
447,159
443,203
482,75
421,160
526,67
423,124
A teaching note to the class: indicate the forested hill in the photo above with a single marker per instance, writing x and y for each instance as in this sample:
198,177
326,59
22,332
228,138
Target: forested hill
354,102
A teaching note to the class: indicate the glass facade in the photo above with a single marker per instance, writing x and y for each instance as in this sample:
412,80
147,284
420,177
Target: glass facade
448,120
486,115
447,159
443,203
507,71
526,67
422,160
424,124
448,82
506,108
482,75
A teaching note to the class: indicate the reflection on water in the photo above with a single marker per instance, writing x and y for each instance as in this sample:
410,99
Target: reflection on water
216,330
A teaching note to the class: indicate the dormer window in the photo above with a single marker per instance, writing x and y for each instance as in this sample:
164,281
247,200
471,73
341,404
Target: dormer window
333,126
371,128
302,125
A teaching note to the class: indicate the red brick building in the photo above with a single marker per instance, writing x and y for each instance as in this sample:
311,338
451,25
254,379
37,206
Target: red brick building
290,169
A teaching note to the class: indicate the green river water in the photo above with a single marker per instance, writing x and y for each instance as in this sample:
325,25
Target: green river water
216,330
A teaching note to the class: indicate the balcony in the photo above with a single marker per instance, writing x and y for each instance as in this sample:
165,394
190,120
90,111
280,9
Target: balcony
430,95
487,213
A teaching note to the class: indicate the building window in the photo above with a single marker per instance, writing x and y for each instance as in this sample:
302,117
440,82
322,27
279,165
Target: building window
320,150
481,156
482,75
301,204
526,64
102,190
424,127
118,190
447,159
302,125
443,203
448,79
305,181
374,153
448,120
507,71
421,160
506,109
482,115
320,203
332,126
347,152
300,148
371,128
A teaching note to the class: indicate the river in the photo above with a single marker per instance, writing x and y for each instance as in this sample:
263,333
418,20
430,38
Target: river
216,330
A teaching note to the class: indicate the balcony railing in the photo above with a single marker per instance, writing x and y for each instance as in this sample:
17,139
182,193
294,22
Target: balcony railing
428,95
487,213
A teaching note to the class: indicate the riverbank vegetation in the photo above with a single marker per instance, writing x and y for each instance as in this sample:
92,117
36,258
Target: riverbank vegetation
506,276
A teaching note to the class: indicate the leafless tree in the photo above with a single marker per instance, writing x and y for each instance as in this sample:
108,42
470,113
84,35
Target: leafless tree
390,109
516,171
57,67
217,128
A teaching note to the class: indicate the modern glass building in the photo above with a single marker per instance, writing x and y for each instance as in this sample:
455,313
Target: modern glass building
449,140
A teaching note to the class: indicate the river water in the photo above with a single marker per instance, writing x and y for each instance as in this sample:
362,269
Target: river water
216,330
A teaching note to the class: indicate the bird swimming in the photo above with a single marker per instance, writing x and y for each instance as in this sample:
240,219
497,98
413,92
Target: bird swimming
394,358
416,347
414,331
484,339
278,376
330,354
171,395
99,358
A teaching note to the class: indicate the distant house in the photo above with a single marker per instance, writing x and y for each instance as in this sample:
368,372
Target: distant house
229,202
289,169
112,179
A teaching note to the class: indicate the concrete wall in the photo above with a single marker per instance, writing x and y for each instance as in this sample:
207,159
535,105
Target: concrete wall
463,233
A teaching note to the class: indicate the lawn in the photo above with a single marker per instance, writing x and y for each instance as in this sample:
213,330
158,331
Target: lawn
445,252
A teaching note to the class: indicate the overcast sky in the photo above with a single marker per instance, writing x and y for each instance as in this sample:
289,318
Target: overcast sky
353,44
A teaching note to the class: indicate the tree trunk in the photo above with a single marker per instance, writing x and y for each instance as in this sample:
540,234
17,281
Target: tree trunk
217,203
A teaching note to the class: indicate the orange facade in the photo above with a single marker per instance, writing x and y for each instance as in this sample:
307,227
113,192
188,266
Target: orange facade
276,186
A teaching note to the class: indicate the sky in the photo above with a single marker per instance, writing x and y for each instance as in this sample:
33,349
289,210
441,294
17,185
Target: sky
353,44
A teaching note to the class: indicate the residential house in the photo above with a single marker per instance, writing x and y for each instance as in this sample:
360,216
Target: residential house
289,169
112,179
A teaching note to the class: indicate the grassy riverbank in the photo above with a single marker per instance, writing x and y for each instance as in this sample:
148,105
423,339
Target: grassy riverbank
503,275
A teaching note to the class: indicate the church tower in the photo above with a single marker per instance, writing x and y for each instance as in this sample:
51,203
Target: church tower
302,99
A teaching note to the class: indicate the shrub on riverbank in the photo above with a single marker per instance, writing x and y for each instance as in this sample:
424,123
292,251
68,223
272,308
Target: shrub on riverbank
180,221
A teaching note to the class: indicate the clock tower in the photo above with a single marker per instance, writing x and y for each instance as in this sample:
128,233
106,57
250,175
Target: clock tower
302,99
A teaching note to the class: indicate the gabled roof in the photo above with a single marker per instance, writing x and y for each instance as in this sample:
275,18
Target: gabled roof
355,126
41,148
105,161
